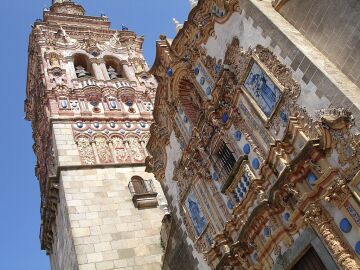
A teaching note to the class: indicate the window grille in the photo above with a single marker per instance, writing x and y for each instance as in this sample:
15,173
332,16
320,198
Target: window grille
226,159
138,186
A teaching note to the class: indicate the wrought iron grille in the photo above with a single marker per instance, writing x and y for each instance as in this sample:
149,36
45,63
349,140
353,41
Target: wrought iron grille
226,159
141,187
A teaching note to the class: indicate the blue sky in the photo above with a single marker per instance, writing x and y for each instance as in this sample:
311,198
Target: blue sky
19,192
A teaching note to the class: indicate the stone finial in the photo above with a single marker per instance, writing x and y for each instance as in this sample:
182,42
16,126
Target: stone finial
60,1
193,3
178,25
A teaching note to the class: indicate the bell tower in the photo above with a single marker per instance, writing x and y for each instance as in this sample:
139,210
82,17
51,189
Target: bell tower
89,98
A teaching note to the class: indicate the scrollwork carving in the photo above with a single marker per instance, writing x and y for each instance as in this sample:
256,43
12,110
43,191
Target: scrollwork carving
315,215
103,150
337,193
86,151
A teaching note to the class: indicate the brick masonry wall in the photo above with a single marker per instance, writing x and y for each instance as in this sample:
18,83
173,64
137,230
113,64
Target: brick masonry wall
333,27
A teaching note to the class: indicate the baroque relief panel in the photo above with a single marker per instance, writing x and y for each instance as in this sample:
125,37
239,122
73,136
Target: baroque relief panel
111,142
103,150
121,152
85,150
198,219
262,89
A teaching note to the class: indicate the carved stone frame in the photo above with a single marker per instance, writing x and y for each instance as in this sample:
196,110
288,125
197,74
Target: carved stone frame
353,185
244,168
186,214
250,99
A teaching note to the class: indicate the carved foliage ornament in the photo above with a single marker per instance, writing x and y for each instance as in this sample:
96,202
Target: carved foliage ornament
315,215
86,151
136,149
103,150
120,149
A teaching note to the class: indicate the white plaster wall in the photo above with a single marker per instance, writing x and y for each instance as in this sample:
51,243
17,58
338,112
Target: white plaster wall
174,154
249,36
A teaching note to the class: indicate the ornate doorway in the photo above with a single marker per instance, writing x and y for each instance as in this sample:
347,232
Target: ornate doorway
310,261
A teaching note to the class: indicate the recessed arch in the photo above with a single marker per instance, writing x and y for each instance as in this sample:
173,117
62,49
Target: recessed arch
82,65
138,185
114,67
187,95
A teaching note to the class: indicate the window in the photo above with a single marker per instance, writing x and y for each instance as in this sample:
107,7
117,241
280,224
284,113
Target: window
226,159
143,192
139,186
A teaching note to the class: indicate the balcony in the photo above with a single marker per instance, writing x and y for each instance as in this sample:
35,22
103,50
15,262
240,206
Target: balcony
143,193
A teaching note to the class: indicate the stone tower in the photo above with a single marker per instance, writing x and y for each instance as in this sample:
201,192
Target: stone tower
89,97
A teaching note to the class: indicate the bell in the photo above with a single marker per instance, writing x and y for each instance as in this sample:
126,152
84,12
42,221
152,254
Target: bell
113,104
112,73
81,72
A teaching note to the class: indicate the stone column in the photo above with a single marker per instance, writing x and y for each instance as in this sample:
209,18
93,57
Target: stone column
129,72
143,145
96,70
127,147
93,145
104,71
317,217
71,68
112,150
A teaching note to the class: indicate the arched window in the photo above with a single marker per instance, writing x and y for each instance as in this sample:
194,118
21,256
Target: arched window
82,66
114,68
189,99
138,185
143,192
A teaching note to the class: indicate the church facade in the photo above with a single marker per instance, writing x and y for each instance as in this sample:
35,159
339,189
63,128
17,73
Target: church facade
89,98
256,137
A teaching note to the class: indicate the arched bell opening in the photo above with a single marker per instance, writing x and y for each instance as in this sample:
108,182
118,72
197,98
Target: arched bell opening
114,68
82,66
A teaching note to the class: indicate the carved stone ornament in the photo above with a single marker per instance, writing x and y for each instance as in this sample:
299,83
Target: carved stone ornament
337,193
56,72
315,215
86,151
237,60
136,149
336,124
90,44
103,150
120,149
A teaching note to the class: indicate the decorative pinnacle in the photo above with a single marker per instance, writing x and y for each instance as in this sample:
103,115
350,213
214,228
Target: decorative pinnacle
193,3
178,25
